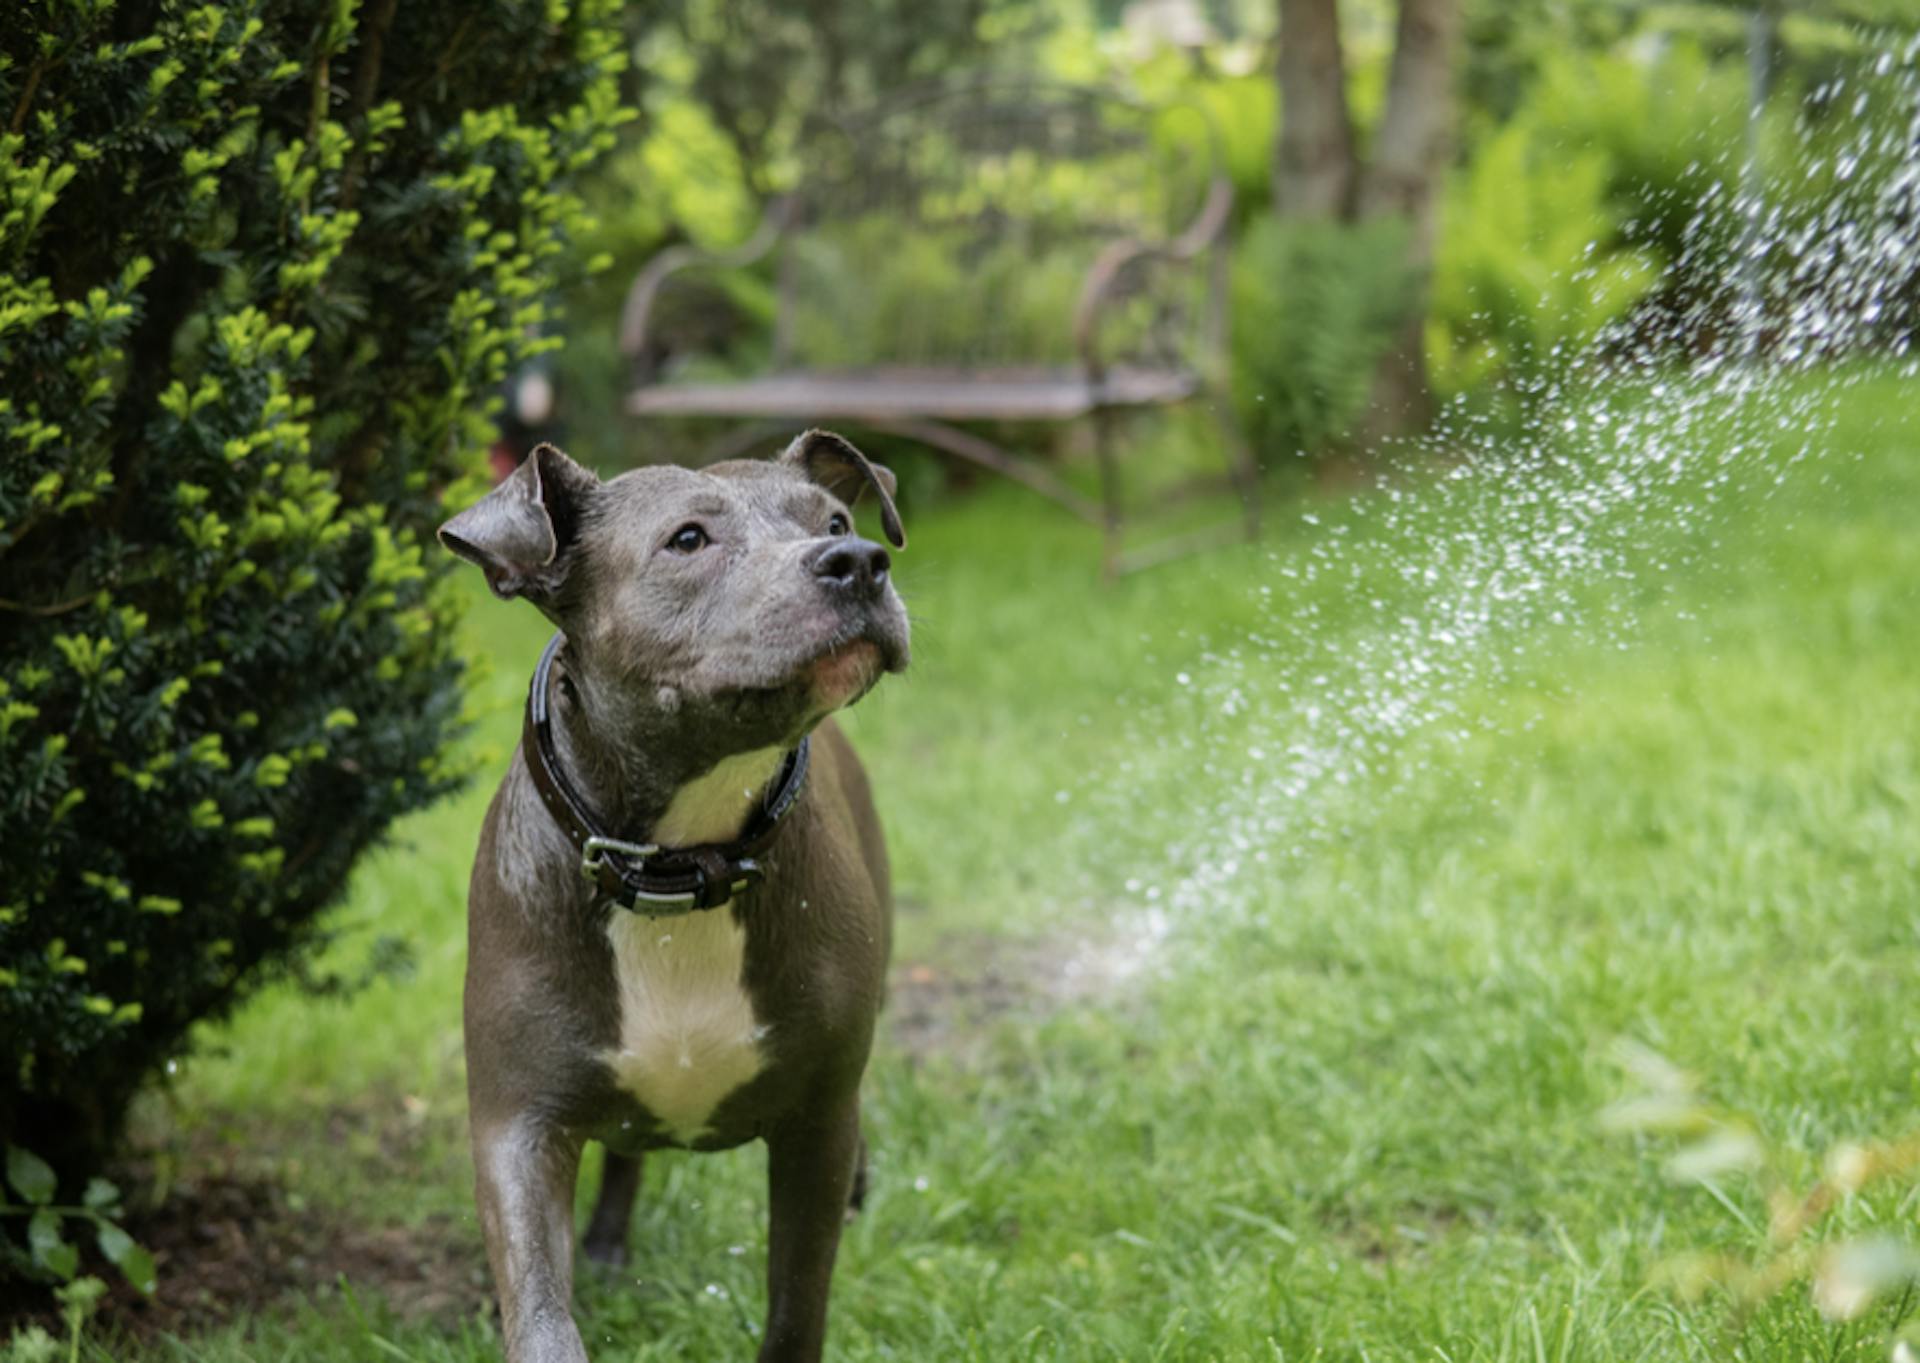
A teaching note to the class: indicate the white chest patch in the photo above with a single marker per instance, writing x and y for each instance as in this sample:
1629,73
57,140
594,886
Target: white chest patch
688,1035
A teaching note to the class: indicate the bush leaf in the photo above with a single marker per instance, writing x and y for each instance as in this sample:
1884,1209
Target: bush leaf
134,1263
31,1176
49,1250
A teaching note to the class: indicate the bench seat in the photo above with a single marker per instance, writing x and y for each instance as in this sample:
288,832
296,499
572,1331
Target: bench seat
896,393
918,282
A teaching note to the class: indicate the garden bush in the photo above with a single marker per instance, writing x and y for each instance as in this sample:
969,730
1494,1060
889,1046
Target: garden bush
1531,264
264,264
1669,128
1315,305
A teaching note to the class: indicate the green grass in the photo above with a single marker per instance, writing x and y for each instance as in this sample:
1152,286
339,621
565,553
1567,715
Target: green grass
1350,1111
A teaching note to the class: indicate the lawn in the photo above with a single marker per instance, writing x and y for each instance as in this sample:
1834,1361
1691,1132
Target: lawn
1342,1100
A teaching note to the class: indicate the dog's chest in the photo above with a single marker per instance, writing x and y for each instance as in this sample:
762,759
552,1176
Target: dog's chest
688,1033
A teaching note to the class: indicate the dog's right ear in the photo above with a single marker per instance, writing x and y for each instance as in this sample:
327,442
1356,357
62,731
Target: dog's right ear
520,532
831,461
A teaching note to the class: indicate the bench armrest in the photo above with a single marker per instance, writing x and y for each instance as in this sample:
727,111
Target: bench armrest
637,312
1203,233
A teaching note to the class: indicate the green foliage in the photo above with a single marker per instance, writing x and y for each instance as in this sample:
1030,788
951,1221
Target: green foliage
1530,265
263,267
1668,130
78,1300
872,289
1613,186
1315,305
763,71
1505,43
1242,110
49,1253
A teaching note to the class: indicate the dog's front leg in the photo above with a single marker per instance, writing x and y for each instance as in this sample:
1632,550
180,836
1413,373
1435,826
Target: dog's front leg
810,1176
524,1174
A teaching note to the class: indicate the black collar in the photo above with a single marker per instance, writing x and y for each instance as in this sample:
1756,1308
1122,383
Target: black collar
658,882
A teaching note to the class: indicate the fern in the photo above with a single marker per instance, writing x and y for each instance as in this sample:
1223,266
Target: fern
1530,262
1315,306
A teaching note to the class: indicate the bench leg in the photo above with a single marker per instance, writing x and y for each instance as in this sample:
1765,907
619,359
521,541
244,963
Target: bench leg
976,450
1105,456
1243,475
1241,468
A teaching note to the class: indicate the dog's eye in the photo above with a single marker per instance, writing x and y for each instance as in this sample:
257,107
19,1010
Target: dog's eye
837,524
688,539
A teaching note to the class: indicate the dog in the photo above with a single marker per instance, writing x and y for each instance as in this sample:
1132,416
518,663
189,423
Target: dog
679,916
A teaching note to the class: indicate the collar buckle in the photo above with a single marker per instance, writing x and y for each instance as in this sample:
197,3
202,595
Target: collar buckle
594,850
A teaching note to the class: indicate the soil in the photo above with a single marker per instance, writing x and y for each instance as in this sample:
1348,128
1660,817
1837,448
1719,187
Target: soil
228,1246
945,1007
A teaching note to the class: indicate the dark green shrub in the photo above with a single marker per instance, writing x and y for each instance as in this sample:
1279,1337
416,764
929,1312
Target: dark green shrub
264,264
1315,306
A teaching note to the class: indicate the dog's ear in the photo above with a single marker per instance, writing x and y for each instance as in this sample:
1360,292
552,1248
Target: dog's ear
520,532
832,461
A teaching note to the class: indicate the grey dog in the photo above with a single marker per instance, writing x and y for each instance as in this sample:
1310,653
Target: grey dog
679,917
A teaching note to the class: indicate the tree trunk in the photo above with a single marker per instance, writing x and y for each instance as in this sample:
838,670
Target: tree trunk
1405,178
1313,165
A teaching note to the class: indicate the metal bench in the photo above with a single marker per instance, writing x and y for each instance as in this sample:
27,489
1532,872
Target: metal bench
1022,253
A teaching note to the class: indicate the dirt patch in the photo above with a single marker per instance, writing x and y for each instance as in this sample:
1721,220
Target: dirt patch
1406,1233
233,1239
936,1010
946,1001
229,1246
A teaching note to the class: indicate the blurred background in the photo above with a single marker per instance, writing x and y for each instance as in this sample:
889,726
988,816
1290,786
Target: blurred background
1525,177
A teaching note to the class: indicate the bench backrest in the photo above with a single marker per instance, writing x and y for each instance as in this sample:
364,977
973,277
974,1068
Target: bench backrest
966,224
959,225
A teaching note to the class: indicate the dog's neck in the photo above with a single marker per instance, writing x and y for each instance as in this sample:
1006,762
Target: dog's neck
646,789
716,807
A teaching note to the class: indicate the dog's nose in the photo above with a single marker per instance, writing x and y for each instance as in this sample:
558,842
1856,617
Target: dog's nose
854,565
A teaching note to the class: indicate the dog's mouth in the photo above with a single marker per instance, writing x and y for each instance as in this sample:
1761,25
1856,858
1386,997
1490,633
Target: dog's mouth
850,666
846,672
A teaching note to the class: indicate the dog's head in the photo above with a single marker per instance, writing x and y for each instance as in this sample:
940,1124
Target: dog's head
737,598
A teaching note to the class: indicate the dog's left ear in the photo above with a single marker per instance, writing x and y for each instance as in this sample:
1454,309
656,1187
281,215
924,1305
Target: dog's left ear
831,461
519,533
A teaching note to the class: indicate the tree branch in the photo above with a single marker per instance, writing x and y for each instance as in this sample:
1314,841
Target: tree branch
34,73
57,608
366,82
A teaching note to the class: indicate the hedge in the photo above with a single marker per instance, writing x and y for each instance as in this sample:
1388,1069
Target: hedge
262,267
